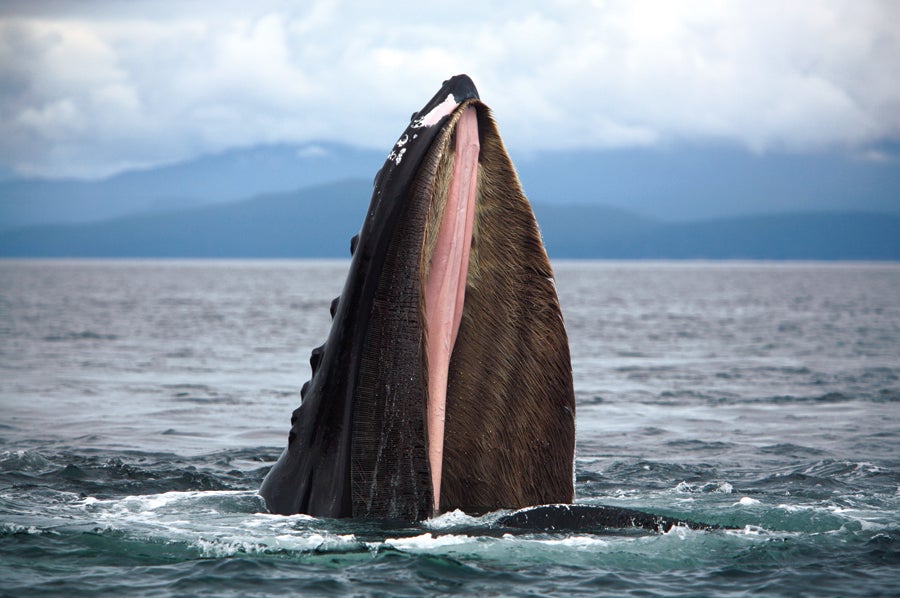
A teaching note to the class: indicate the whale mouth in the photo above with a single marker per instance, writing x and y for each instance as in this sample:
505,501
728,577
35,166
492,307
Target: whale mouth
448,242
445,382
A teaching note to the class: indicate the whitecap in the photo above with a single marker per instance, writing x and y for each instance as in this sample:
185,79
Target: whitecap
427,542
452,519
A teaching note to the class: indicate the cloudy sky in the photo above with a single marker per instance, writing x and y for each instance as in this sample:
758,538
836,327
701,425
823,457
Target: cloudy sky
90,88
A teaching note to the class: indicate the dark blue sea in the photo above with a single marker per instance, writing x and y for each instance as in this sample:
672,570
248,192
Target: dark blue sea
142,402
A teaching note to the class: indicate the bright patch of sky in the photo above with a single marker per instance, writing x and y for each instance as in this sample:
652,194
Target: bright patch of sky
90,88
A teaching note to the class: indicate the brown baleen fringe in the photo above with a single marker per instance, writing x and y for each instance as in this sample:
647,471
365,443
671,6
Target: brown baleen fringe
510,428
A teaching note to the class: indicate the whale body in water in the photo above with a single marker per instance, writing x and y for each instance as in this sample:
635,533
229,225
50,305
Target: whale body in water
445,382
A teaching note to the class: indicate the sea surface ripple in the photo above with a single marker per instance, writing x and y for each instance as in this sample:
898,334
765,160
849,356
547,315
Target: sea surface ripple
144,401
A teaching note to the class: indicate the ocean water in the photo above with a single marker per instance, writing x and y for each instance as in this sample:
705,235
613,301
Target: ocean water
141,404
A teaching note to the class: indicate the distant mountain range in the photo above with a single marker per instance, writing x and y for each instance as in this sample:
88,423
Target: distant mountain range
307,200
220,178
318,221
675,185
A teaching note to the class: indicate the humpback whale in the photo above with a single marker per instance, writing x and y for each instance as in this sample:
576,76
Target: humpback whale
445,382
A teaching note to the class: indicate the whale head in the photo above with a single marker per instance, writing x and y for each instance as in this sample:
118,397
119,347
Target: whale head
445,381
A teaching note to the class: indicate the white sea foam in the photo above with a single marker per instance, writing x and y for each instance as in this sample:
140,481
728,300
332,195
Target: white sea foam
577,542
427,542
708,487
451,519
13,528
749,530
218,523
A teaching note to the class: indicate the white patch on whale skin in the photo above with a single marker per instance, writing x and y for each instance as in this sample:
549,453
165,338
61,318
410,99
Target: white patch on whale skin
396,156
432,118
437,113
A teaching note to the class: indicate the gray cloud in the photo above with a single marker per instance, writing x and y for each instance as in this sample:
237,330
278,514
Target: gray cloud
90,88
